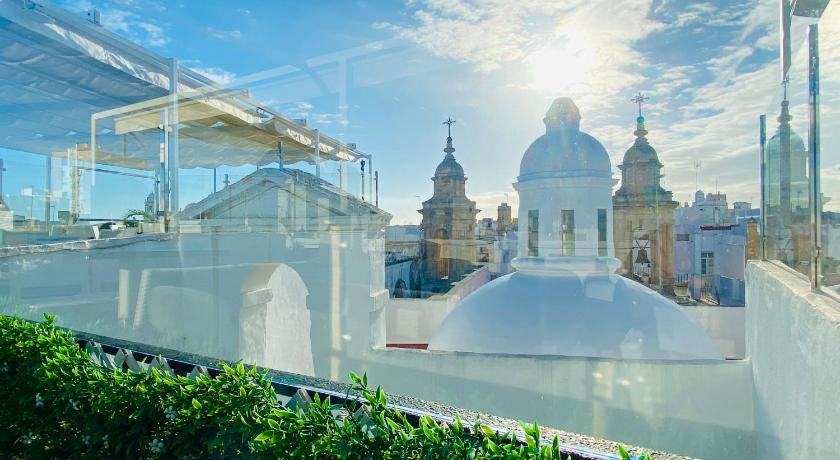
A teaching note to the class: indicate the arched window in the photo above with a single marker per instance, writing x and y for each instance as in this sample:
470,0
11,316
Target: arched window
399,289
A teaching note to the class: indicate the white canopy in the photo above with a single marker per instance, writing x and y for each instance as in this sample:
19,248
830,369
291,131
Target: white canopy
57,71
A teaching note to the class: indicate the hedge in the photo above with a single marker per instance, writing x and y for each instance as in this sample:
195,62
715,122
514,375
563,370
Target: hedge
58,402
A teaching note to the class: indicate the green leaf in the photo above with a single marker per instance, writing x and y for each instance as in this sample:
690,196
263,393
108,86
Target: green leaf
264,436
623,453
196,404
488,432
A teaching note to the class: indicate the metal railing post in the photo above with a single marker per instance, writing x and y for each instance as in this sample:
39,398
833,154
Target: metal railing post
814,202
762,143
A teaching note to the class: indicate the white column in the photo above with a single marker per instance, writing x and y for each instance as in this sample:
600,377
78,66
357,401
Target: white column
173,152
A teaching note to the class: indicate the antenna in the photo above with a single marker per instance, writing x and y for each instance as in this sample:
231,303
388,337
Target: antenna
697,166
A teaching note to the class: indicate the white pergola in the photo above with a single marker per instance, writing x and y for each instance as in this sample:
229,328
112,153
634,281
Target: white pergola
71,89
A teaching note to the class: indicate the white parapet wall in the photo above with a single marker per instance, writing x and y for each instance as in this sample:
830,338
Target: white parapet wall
258,296
414,321
724,325
793,340
701,409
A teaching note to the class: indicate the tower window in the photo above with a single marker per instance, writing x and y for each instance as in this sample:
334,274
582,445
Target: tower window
533,232
567,230
602,232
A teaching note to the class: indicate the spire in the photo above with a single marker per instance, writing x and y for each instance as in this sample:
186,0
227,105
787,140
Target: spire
784,117
640,131
449,148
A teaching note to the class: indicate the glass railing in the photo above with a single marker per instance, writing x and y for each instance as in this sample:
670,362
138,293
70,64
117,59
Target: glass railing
570,249
800,224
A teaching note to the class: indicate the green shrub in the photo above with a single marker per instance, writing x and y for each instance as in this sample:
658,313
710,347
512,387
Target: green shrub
56,401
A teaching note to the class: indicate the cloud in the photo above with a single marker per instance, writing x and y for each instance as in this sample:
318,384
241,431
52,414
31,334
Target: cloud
128,19
216,74
224,35
485,33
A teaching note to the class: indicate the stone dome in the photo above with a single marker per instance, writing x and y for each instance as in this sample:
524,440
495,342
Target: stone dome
641,151
564,150
449,167
604,316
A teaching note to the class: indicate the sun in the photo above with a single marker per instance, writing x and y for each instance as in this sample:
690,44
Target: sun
563,66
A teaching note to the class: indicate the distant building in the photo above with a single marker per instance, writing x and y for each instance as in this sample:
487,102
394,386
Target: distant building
643,213
486,229
448,225
711,246
150,204
503,219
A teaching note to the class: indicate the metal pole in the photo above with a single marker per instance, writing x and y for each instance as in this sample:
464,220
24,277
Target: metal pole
370,176
317,154
164,169
762,159
376,193
814,152
363,180
281,156
48,192
785,15
214,180
173,153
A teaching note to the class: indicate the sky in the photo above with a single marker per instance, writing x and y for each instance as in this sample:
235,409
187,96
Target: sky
710,68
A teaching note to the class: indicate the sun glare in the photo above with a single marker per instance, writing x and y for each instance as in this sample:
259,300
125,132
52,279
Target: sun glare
563,66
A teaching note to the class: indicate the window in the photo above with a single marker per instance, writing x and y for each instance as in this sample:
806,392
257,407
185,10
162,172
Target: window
707,263
602,232
567,231
533,232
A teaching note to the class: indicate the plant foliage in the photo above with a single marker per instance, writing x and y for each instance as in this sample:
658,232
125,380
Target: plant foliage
59,401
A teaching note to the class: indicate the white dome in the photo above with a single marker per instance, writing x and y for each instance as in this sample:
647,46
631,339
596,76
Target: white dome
564,150
571,312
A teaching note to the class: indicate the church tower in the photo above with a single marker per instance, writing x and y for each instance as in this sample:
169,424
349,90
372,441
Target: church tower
644,214
448,224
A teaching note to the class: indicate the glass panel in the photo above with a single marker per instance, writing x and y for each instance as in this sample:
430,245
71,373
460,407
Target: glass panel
314,208
788,234
829,53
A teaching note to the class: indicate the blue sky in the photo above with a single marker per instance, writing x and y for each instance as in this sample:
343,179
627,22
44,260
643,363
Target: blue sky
710,69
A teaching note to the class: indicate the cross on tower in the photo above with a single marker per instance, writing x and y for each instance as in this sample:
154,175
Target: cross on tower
638,99
448,122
